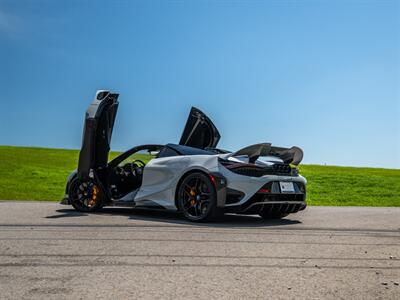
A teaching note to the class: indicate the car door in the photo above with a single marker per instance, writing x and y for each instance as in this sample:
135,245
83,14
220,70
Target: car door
199,132
97,131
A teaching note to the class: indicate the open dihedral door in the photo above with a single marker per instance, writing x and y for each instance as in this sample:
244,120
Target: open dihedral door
97,131
199,131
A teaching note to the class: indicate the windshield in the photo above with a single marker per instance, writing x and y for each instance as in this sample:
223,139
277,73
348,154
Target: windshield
142,155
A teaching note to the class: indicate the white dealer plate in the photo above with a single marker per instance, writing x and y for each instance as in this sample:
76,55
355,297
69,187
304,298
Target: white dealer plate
287,187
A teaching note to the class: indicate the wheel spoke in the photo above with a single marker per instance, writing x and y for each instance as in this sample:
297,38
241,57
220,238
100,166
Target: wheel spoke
204,189
196,185
204,198
186,206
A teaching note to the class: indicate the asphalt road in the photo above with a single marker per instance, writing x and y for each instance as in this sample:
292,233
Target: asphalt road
50,251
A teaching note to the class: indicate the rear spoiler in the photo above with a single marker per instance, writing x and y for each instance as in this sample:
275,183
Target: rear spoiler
292,155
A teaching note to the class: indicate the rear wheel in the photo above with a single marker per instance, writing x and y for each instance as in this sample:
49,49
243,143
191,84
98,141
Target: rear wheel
196,198
85,196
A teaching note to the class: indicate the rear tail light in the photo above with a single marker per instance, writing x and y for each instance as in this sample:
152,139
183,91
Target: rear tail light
254,170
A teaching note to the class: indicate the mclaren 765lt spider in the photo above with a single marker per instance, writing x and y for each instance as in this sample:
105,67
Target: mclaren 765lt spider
193,177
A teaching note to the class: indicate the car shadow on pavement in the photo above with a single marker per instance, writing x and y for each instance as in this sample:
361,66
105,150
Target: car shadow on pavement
227,220
66,213
171,217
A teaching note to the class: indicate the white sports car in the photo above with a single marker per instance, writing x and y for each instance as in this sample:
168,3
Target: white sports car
193,177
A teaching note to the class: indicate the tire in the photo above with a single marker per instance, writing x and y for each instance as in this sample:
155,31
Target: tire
275,215
85,196
196,198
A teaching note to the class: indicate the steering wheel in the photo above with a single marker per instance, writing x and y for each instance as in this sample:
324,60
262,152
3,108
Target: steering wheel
141,163
119,170
137,166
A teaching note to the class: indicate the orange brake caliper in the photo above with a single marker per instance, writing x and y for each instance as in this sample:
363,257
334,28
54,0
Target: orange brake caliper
192,193
93,200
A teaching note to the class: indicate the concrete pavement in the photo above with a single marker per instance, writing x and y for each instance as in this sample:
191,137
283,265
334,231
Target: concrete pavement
50,251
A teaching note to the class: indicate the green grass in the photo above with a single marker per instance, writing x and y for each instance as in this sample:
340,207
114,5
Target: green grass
40,174
339,186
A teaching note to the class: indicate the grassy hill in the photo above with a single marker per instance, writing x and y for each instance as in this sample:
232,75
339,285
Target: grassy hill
40,174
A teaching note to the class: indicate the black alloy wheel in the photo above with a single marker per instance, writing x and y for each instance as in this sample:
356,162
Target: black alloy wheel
85,196
197,198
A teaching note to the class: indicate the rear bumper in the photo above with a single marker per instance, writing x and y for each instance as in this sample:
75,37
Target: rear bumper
273,203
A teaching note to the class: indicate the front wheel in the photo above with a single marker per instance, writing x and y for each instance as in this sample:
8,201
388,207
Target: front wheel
196,198
85,196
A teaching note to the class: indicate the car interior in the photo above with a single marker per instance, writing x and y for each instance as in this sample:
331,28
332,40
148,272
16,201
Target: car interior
126,171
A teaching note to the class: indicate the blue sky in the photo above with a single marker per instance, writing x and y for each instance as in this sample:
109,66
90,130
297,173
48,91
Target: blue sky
323,75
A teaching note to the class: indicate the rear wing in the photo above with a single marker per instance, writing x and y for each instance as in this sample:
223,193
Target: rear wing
293,155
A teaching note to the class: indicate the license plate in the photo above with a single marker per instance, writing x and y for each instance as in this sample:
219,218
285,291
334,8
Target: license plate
287,187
